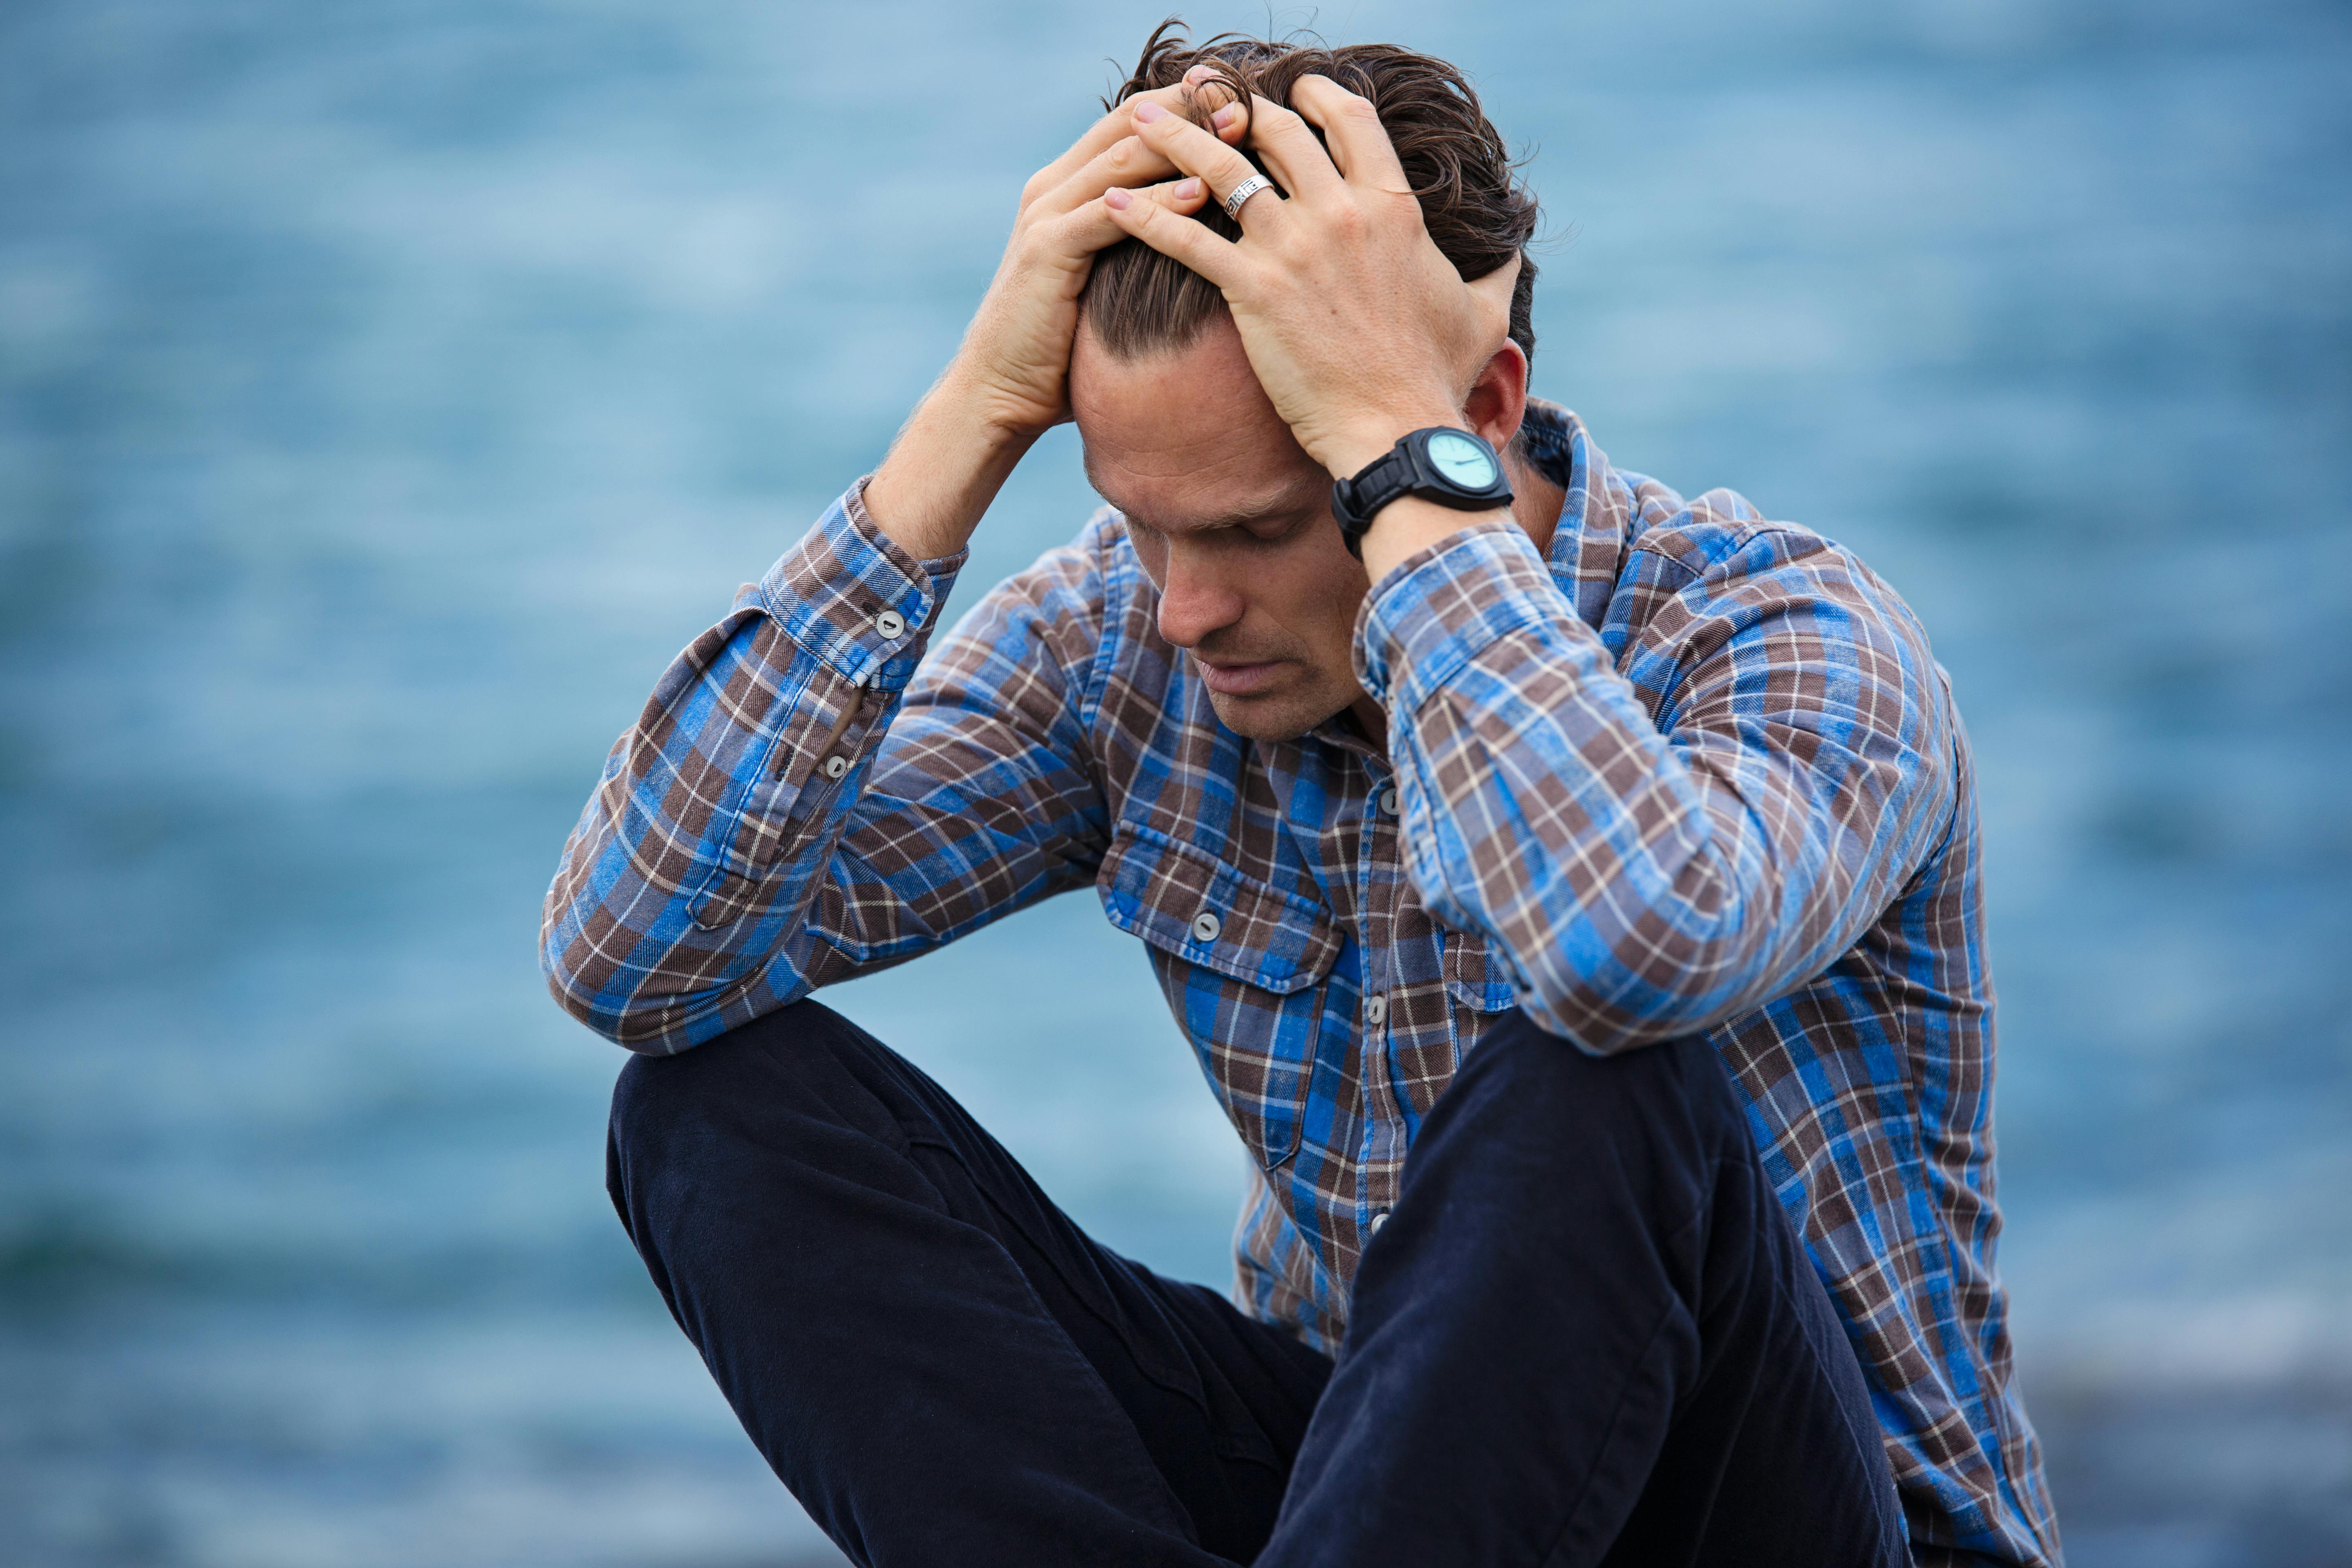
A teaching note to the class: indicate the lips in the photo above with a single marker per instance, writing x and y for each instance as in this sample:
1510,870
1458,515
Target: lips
1232,680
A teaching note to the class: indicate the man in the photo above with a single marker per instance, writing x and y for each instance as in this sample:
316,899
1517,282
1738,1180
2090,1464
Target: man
1570,893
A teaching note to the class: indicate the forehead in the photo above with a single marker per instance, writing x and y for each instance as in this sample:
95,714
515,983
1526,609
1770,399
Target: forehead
1186,438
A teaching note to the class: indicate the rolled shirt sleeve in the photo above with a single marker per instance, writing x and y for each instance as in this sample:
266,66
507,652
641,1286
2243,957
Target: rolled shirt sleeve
1661,835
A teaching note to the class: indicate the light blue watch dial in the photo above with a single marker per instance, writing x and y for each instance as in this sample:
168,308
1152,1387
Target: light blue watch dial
1462,460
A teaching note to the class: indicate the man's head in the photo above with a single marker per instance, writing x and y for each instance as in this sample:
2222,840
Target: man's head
1232,519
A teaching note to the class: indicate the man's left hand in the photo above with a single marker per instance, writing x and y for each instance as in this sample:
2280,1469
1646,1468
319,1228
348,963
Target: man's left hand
1356,324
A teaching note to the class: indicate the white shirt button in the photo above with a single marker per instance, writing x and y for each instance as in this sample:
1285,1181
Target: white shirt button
1388,801
890,624
1376,1009
1379,1220
835,766
1206,925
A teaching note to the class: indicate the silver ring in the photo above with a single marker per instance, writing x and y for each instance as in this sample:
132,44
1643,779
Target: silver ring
1243,192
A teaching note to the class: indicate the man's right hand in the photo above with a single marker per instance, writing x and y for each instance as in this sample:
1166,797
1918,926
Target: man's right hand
1009,383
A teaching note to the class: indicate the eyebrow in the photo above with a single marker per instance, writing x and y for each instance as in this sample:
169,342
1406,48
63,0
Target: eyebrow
1281,506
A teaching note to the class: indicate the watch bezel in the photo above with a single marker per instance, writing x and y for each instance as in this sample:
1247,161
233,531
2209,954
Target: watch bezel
1407,468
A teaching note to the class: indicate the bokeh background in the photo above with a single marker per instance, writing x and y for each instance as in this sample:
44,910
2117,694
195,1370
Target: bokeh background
388,390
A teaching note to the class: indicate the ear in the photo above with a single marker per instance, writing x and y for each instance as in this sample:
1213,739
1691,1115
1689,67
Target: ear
1497,400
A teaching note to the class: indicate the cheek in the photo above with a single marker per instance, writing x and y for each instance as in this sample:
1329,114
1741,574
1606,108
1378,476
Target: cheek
1151,550
1316,596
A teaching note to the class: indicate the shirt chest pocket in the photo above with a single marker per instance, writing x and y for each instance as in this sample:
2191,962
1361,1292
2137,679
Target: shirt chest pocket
1478,981
1244,965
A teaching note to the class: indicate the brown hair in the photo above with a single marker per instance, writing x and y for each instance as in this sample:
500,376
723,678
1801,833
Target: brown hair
1473,202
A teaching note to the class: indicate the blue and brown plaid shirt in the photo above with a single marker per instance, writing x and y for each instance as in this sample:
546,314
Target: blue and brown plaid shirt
1687,772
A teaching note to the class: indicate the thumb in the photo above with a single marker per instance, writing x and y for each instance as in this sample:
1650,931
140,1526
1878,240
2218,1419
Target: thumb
1493,294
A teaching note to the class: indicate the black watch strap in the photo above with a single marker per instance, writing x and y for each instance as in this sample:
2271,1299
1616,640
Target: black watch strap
1461,471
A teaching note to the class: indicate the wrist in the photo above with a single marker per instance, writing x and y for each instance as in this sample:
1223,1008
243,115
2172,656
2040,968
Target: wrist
942,472
1365,442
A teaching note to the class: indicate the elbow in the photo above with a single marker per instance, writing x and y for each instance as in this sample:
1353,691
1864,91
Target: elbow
1600,1026
581,1001
600,994
579,982
646,1031
1655,981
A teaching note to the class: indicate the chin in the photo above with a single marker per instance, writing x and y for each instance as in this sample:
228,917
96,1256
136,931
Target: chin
1284,716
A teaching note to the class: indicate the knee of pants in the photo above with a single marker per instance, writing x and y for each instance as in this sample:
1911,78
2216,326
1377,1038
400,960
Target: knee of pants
789,1063
1519,1074
1532,1114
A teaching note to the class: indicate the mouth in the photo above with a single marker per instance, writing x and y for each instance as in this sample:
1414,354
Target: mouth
1234,679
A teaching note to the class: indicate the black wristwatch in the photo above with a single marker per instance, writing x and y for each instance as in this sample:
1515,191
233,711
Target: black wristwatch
1450,466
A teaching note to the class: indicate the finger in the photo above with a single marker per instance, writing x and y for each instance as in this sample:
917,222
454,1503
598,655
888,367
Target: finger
1288,148
1351,128
1197,151
1099,137
1094,226
1213,256
1210,91
1130,160
1493,293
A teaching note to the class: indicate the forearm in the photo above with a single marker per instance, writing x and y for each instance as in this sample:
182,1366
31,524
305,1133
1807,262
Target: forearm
680,896
1649,873
944,470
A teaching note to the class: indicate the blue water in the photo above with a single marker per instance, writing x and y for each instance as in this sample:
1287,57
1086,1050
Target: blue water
387,392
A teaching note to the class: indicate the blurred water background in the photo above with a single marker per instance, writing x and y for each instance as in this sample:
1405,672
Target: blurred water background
386,392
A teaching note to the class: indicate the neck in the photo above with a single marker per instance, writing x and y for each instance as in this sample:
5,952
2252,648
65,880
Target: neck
1535,501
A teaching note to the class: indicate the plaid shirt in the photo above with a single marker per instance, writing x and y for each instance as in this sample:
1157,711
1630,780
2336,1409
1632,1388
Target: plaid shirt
1690,771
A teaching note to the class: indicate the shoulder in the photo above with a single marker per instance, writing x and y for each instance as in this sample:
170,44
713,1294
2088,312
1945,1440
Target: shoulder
1717,558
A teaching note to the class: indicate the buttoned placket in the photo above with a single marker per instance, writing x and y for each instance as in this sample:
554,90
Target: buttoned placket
1380,883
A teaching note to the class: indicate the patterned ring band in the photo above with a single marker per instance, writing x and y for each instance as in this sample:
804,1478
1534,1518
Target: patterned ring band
1243,192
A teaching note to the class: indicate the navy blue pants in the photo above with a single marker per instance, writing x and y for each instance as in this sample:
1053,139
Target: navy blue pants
1587,1333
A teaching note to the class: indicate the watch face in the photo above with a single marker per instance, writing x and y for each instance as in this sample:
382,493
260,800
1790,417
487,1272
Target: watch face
1462,460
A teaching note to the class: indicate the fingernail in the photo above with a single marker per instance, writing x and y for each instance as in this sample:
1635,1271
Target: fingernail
1225,116
1117,199
1147,111
1187,189
1199,73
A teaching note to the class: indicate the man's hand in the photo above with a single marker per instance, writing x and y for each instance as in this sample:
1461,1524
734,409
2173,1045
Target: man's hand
1357,327
1010,381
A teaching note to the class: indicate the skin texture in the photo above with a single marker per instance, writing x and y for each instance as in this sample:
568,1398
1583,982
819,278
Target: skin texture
1232,521
1348,329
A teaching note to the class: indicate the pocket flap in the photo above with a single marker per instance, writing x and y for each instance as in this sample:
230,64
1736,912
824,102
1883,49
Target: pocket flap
1183,902
1476,974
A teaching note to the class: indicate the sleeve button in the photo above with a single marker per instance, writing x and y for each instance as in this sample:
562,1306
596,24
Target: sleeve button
890,624
835,766
1206,925
1388,801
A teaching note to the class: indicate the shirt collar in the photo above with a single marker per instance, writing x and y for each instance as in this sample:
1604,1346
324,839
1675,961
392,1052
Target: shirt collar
1596,513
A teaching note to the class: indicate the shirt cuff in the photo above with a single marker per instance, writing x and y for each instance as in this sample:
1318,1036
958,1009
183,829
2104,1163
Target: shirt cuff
851,597
1443,605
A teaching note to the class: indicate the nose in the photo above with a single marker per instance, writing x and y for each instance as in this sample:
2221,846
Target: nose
1195,599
